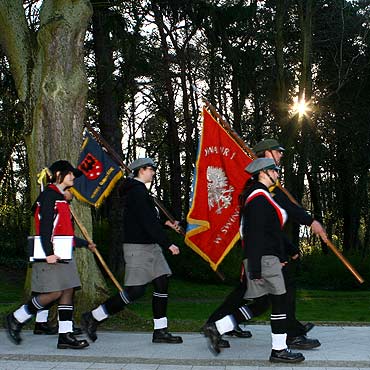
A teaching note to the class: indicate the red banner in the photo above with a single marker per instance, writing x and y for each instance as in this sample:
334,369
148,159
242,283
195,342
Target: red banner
219,177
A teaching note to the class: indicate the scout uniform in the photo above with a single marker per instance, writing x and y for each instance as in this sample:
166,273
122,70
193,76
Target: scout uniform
144,239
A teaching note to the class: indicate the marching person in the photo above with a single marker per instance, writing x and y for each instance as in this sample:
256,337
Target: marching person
42,326
262,220
144,239
297,332
54,279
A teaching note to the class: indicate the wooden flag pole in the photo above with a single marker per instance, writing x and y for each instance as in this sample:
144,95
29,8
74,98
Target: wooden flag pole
123,165
249,152
119,161
97,253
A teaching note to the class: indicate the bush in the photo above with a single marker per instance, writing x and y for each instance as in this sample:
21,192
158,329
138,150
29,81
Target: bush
325,271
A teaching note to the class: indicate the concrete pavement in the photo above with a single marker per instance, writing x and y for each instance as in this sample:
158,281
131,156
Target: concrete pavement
342,347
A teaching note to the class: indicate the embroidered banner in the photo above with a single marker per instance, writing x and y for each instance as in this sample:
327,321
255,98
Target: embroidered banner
100,173
219,177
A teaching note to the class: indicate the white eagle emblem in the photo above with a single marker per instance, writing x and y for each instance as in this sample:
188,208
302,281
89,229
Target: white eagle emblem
219,191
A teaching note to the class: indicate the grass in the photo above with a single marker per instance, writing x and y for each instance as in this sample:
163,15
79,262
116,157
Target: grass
190,304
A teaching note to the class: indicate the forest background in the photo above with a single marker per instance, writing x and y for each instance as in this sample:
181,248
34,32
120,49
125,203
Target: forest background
295,70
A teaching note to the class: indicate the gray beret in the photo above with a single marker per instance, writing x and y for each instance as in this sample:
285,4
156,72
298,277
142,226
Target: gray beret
260,164
142,162
267,144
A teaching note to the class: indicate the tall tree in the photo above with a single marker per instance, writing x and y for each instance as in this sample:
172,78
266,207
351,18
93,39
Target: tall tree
48,69
104,26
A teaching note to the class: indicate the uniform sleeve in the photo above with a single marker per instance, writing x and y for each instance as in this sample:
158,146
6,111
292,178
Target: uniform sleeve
146,215
47,204
295,212
80,243
255,220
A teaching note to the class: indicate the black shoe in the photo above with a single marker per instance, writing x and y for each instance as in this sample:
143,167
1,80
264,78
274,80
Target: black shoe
163,336
302,342
239,332
13,328
44,328
308,326
89,325
213,337
285,355
223,343
67,340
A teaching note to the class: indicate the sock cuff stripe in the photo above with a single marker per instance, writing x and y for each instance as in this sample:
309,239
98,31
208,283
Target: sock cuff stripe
160,295
278,318
124,297
245,312
65,307
36,303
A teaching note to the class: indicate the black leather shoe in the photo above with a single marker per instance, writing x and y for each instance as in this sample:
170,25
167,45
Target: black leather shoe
302,342
89,325
308,326
44,328
68,340
286,355
223,343
239,332
13,328
163,336
213,337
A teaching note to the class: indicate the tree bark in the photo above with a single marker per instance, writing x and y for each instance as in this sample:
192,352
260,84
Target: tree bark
49,73
173,137
109,125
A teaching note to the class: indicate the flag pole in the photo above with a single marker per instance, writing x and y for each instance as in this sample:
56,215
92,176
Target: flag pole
158,203
250,153
119,161
97,253
242,144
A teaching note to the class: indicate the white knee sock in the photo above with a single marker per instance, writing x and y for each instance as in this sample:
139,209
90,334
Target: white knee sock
99,313
42,316
22,315
278,341
225,324
160,323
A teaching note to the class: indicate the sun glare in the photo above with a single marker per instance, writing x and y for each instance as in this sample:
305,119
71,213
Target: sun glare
300,107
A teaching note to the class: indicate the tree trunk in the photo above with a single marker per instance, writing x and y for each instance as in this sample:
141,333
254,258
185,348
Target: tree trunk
109,125
173,137
52,86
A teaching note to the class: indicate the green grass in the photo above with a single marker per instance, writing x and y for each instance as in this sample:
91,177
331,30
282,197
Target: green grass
190,304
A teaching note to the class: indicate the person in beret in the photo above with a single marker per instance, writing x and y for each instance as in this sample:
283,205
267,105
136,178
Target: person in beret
54,279
144,240
262,220
297,332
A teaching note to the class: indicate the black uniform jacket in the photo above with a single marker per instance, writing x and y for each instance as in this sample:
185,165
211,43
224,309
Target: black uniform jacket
262,229
295,213
47,216
141,222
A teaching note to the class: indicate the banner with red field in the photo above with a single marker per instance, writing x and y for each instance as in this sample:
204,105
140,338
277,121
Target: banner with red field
219,177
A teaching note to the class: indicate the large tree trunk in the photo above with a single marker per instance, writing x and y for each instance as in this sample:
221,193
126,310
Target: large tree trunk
52,86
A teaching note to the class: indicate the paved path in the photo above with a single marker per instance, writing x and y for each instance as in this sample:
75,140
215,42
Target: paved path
342,348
